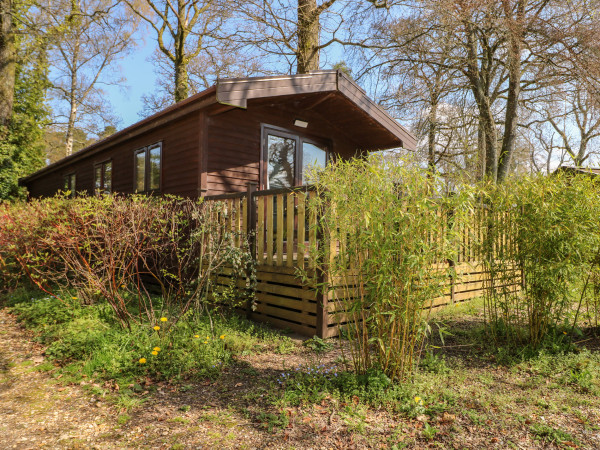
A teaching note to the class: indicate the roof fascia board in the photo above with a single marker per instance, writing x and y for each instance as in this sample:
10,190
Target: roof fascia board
237,91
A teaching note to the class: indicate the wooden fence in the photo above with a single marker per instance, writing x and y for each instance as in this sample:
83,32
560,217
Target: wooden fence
281,231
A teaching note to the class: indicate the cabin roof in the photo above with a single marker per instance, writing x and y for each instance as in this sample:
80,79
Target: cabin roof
356,115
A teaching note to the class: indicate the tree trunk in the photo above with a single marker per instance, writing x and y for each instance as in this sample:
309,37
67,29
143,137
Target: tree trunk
70,127
7,63
180,63
72,101
480,152
181,81
491,145
487,123
431,137
308,36
510,122
514,88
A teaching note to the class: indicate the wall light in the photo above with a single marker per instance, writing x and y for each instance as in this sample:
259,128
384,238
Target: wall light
300,123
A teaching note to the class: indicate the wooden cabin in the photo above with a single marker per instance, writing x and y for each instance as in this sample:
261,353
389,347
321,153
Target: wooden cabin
263,130
247,142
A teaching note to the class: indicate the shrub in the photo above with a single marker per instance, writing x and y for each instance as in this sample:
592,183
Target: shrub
388,241
111,247
545,230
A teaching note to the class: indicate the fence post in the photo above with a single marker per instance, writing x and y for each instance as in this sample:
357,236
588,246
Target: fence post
251,231
251,217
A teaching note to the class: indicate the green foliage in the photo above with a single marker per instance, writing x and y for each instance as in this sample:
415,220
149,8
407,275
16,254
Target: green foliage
86,341
46,311
273,421
21,145
434,363
579,370
545,228
552,435
94,245
318,345
390,224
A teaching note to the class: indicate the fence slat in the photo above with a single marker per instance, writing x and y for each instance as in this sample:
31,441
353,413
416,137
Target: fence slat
291,216
280,231
269,200
260,231
301,228
245,217
312,230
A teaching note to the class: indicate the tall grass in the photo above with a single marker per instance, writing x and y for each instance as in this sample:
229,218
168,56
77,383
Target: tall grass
544,230
389,239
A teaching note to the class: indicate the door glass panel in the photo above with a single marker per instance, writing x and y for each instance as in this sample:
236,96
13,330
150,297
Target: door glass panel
154,168
140,171
281,161
313,158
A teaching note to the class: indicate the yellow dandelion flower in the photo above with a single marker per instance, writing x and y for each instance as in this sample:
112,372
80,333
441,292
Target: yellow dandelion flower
196,336
142,360
154,352
156,349
418,400
222,336
564,332
208,338
206,342
156,328
74,298
163,319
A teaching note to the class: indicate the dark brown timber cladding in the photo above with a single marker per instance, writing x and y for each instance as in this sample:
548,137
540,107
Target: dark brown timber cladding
180,162
234,138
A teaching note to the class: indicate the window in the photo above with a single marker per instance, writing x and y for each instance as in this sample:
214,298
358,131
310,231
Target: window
289,159
103,177
147,168
314,158
69,184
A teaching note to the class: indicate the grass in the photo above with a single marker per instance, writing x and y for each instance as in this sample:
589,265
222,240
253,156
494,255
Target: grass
465,388
84,344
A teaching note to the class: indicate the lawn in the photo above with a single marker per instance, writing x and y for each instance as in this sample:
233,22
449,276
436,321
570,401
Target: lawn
275,390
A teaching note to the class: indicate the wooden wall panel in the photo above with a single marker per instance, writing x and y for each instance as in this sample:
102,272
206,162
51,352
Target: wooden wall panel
234,140
180,162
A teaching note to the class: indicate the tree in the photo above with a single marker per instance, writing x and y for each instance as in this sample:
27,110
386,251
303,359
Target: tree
21,145
184,30
221,61
487,61
7,63
566,122
90,36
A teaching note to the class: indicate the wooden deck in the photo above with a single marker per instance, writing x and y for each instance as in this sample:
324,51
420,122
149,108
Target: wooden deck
281,233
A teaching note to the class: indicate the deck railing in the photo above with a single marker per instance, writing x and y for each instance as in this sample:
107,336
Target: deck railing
282,230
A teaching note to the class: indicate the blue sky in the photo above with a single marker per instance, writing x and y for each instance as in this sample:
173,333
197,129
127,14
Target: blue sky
126,99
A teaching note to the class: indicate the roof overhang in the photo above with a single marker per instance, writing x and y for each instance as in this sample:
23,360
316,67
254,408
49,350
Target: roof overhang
238,91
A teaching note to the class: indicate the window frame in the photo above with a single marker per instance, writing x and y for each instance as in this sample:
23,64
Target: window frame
300,138
70,179
102,166
146,151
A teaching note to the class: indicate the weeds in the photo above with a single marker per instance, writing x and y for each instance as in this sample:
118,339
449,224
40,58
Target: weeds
552,435
88,344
